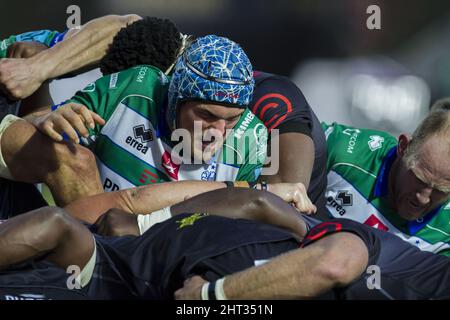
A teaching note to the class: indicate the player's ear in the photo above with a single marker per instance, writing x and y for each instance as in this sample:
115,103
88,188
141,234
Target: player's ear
403,142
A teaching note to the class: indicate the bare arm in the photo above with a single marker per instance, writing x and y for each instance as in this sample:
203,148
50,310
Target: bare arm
146,199
333,261
82,47
245,204
141,200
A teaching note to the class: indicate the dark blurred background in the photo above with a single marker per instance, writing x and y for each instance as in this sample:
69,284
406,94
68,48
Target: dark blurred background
374,78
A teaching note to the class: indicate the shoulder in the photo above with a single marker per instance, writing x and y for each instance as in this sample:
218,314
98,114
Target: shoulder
276,86
142,75
142,80
347,144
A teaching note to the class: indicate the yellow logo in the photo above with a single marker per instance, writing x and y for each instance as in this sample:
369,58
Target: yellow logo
189,221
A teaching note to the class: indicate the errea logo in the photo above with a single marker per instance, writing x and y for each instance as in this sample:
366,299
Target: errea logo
339,200
375,142
141,137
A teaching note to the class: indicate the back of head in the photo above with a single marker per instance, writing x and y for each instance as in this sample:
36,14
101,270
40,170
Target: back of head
150,41
212,69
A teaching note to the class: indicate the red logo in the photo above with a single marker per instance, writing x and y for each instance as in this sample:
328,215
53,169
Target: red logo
170,167
146,175
231,95
320,231
272,100
374,222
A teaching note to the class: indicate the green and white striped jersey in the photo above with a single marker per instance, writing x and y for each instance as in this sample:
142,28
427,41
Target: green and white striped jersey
134,148
358,165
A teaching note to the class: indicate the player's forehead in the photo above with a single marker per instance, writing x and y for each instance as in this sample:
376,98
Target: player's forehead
432,164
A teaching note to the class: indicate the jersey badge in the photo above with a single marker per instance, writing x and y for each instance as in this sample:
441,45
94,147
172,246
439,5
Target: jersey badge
375,142
170,167
189,221
376,223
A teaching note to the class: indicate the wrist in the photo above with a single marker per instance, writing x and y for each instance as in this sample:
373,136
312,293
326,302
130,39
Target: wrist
213,290
41,65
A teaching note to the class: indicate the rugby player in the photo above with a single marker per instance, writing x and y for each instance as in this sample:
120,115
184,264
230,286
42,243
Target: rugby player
276,100
330,263
125,267
402,187
141,166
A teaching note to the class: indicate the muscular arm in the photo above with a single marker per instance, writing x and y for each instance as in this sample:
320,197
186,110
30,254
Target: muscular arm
333,261
48,232
82,47
141,200
245,204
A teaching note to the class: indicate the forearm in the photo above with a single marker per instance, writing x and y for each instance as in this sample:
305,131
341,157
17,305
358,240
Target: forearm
27,236
81,48
289,276
242,203
141,200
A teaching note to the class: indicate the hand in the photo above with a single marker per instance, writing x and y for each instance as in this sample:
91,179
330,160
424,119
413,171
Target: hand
20,77
117,223
192,289
294,193
25,49
70,119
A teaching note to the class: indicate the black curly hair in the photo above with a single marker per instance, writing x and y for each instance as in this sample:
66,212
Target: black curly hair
150,40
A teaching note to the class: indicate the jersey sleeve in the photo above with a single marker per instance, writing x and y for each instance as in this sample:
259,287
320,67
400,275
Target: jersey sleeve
280,104
47,37
105,94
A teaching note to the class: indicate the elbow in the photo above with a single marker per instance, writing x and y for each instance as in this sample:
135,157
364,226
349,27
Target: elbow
342,261
259,205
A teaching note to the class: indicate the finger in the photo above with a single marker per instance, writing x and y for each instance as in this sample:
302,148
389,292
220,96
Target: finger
47,128
86,114
178,295
75,120
98,119
62,125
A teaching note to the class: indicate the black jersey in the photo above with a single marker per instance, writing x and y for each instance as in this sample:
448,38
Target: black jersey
281,105
404,271
155,264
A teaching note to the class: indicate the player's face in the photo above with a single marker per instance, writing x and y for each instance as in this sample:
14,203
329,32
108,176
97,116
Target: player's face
424,184
211,121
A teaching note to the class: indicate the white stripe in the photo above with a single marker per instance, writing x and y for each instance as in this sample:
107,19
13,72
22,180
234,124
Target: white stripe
439,230
354,166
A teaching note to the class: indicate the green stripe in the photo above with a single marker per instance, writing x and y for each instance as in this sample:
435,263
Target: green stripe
124,163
